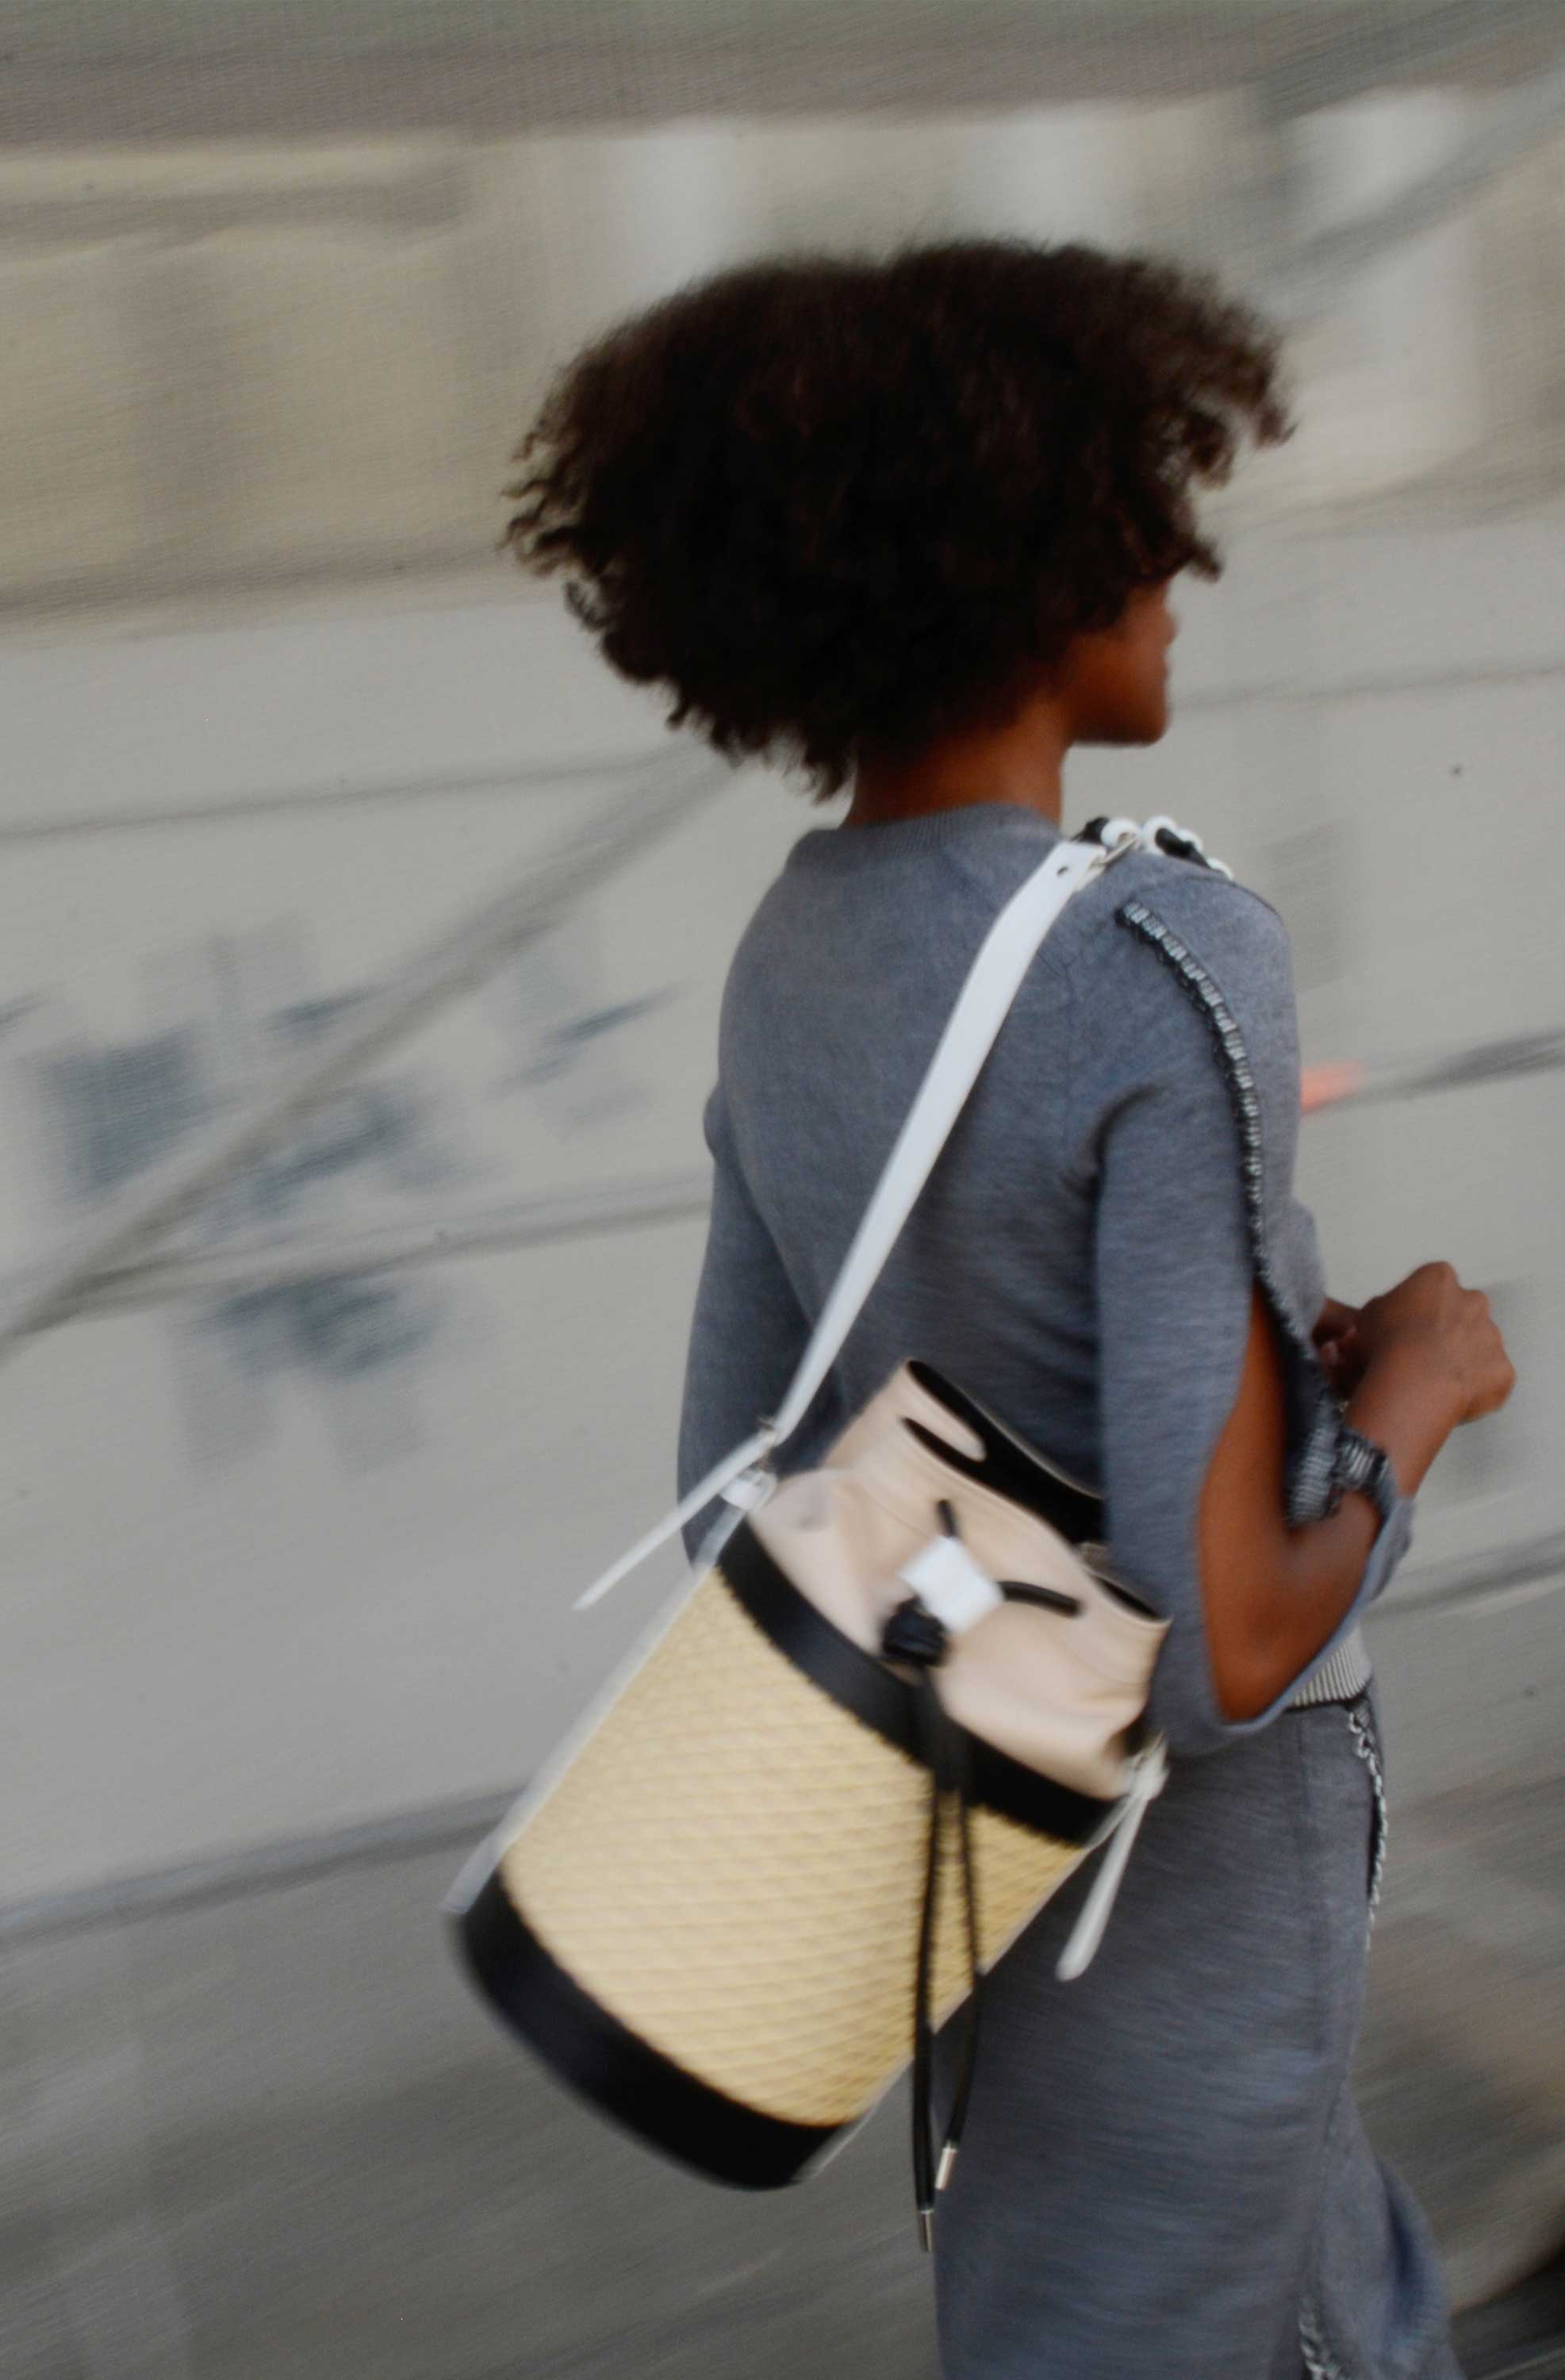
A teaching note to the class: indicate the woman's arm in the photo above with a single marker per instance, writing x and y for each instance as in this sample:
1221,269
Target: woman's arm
748,1330
1216,1419
1428,1357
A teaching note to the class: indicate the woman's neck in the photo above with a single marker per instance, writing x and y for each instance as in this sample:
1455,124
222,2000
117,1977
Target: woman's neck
1022,763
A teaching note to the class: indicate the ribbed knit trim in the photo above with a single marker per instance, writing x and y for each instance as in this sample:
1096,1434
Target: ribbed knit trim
1340,1679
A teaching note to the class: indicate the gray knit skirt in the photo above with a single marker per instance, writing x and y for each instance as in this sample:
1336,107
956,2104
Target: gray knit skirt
1164,2176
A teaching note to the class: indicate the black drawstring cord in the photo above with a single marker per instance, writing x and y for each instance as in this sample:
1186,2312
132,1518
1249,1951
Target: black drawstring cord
924,2170
975,1971
916,1640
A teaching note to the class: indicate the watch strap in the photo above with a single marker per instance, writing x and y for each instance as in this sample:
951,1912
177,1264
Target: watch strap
1365,1469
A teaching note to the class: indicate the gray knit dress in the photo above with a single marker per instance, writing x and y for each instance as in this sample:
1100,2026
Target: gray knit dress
1163,2170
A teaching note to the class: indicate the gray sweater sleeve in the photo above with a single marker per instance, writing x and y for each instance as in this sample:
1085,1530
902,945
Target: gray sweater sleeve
748,1329
1185,1062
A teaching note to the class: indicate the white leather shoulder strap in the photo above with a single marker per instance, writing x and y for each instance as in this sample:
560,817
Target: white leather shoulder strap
982,1005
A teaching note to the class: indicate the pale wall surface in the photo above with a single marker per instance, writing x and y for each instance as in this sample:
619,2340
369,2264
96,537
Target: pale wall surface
264,1580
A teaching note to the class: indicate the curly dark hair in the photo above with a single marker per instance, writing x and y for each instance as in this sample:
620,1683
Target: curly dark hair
842,506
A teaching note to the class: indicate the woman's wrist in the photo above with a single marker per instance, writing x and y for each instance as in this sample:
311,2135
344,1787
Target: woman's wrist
1363,1468
1409,1407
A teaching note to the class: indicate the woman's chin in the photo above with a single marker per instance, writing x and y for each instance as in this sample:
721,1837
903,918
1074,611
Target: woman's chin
1135,733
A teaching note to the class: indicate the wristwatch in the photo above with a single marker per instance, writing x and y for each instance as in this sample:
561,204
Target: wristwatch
1363,1468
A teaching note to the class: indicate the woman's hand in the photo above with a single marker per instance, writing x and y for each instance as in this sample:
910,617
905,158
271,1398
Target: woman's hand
1426,1356
1337,1343
1430,1323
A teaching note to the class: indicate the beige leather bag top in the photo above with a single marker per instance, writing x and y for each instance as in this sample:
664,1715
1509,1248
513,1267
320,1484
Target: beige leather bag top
1060,1689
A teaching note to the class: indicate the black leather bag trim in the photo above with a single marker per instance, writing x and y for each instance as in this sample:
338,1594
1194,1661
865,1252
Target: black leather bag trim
880,1699
666,2107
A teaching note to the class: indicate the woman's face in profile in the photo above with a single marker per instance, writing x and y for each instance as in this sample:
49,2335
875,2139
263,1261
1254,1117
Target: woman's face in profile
1116,679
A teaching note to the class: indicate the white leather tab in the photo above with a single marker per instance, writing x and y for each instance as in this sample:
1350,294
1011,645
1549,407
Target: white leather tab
950,1583
1150,1771
751,1489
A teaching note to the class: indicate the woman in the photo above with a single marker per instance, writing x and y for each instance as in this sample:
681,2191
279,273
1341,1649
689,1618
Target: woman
914,526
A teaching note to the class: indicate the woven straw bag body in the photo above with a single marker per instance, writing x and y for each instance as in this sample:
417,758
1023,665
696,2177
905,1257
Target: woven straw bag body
707,1919
897,1704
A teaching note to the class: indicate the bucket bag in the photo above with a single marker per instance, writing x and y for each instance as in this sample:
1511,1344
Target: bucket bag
898,1701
